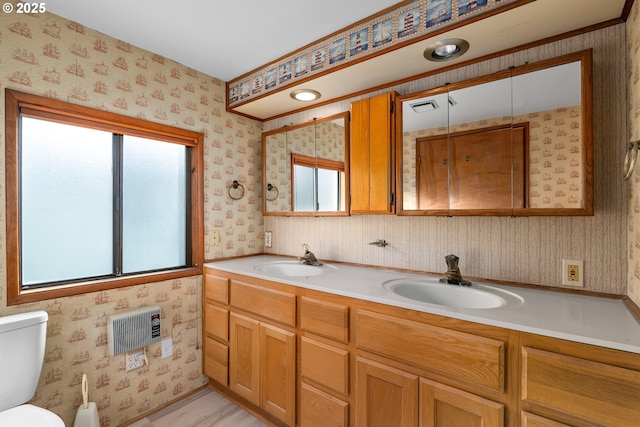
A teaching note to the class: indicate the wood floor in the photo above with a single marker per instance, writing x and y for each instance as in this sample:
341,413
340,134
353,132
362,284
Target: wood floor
203,409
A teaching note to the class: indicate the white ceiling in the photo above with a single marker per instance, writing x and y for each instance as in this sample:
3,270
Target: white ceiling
229,38
222,38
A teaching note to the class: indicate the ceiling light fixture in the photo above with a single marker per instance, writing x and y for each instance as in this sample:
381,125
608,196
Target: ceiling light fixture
305,95
447,49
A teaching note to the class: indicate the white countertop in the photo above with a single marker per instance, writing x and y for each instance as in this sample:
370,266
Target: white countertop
592,320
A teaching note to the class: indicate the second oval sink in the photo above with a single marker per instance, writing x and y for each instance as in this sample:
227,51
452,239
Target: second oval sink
477,296
289,269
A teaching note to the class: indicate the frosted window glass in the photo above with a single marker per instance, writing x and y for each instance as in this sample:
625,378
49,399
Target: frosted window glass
328,190
154,209
304,181
66,202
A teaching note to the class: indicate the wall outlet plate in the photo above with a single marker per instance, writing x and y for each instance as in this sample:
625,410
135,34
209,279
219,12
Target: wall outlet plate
267,239
134,360
167,348
214,238
573,272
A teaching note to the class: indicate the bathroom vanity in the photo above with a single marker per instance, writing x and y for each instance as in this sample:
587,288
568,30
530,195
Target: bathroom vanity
337,345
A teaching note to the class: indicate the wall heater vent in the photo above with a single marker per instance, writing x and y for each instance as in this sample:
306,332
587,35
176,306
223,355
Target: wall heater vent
133,329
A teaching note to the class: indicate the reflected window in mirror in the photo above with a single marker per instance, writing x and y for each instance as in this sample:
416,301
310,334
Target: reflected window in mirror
307,162
318,184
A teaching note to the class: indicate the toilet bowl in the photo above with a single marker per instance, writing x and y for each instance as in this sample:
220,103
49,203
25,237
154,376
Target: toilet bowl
22,345
29,416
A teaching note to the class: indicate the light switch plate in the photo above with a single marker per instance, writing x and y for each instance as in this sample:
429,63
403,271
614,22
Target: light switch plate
267,239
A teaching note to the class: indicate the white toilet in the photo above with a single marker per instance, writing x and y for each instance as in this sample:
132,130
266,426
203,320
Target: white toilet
22,343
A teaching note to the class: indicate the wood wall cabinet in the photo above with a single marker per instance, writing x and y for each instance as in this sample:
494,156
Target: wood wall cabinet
372,158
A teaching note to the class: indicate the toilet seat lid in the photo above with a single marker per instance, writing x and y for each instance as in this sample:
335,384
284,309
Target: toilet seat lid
29,416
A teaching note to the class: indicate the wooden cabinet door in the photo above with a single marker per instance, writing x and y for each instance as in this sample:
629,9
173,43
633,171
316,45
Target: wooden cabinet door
278,372
444,406
381,153
244,363
385,396
359,156
371,155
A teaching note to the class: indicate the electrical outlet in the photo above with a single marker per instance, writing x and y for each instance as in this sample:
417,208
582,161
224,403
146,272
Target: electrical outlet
167,348
134,360
573,272
214,238
267,239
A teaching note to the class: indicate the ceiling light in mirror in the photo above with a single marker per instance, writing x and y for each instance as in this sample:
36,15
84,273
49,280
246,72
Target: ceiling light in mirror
447,49
305,95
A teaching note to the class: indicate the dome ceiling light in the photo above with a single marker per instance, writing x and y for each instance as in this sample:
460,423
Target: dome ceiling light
305,95
445,50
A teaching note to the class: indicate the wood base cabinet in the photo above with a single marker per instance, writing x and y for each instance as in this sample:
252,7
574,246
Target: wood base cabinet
262,366
444,406
385,396
300,357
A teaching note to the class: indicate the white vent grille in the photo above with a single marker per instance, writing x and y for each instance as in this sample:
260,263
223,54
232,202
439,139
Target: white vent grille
133,329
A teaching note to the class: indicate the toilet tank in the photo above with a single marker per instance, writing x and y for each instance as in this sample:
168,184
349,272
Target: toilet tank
22,342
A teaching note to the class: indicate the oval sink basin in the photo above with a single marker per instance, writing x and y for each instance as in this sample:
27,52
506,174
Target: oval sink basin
476,296
289,269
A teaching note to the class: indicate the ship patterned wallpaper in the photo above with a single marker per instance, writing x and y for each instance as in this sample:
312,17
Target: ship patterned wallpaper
46,55
633,119
555,156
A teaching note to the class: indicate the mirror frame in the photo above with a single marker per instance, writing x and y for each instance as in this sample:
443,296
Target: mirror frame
345,117
585,58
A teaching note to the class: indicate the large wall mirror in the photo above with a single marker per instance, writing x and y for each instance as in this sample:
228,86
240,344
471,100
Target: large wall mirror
518,142
305,168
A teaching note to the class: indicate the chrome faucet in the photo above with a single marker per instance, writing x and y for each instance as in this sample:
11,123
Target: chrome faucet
309,258
453,276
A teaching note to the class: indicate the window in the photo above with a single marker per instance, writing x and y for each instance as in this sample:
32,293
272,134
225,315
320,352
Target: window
96,200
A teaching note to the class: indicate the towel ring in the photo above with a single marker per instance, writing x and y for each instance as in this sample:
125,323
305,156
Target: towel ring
630,159
235,185
271,189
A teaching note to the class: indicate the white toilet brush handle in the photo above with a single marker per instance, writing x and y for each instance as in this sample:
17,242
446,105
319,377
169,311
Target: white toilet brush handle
85,391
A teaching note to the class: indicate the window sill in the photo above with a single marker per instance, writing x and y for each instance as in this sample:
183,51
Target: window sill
62,291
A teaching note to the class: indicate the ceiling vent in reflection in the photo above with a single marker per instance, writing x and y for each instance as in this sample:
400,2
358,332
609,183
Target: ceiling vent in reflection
424,106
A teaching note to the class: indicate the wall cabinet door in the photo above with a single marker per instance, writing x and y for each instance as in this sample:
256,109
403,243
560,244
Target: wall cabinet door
385,396
244,354
444,406
371,155
278,372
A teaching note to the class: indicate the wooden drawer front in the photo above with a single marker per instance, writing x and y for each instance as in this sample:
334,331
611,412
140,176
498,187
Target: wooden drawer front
596,392
531,420
216,361
318,409
216,288
325,364
324,318
216,321
270,303
454,354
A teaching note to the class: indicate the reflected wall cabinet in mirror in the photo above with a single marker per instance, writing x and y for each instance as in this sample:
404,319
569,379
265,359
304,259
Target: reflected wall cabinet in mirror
518,142
305,170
